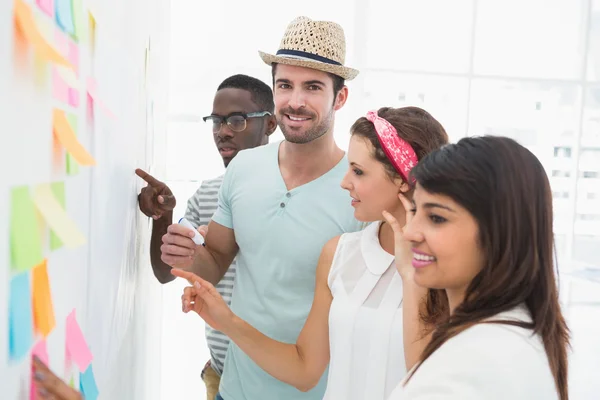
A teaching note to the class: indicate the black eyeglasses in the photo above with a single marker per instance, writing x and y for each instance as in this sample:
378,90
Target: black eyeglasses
236,121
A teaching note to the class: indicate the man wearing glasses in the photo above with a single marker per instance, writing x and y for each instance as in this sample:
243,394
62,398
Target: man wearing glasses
242,118
279,205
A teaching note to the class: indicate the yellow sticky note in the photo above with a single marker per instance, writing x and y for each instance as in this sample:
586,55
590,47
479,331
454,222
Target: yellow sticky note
43,311
27,25
66,136
68,75
92,31
58,188
56,217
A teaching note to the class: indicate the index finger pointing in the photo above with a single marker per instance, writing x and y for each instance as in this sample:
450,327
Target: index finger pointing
407,204
185,274
152,181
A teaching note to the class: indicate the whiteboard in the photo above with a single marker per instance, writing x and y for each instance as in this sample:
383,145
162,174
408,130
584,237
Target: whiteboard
108,280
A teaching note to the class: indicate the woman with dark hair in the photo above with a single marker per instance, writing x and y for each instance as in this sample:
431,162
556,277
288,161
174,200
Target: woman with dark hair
358,320
481,230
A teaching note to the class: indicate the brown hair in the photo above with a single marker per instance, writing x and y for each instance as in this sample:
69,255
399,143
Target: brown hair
506,189
413,124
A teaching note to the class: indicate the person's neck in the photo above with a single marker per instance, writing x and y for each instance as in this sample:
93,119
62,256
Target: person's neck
302,163
386,234
455,298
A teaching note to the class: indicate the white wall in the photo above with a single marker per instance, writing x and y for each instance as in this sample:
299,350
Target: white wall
108,280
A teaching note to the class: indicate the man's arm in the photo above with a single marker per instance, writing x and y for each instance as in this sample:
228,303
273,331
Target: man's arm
157,201
161,270
212,261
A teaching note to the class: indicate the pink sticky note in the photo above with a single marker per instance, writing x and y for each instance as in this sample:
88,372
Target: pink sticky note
67,48
60,89
73,97
41,351
73,55
76,345
92,90
46,6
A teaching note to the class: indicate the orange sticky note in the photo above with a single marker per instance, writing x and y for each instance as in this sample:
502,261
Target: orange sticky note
65,135
26,23
43,311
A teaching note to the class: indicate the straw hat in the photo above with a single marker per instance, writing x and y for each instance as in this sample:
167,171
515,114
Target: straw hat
313,44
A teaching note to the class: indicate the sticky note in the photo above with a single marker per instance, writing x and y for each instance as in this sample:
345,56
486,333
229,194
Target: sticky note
92,31
20,336
60,89
43,310
64,16
77,347
68,48
58,189
41,351
71,164
64,83
46,6
79,18
87,384
92,89
56,217
66,136
25,231
28,27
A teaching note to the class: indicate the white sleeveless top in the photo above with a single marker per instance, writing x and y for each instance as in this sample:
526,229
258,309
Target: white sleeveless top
365,320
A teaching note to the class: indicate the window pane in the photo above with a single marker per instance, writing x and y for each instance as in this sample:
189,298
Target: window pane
444,97
408,35
593,68
191,152
541,116
530,38
587,212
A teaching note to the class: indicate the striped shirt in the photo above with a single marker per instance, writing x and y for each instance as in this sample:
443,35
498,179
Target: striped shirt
200,208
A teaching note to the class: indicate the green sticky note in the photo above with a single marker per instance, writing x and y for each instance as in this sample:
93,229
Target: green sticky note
58,189
72,382
79,19
71,165
25,235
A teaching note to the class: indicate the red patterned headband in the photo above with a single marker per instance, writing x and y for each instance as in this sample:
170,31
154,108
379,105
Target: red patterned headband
397,150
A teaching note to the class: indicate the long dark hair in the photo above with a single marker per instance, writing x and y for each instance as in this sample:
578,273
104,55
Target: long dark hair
505,188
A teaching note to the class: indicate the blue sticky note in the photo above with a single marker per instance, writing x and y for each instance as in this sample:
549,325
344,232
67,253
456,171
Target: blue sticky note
20,318
87,384
64,16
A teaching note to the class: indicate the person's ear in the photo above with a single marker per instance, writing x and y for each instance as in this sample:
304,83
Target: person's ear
271,125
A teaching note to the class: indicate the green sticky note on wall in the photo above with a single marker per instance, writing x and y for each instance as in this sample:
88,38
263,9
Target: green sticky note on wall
79,20
58,189
71,165
25,235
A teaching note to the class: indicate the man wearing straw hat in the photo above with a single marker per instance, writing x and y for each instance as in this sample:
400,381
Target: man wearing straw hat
278,206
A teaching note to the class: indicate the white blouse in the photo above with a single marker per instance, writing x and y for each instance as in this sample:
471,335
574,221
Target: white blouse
365,320
486,361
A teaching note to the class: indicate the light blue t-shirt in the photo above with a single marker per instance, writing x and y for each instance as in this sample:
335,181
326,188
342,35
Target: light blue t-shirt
280,235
